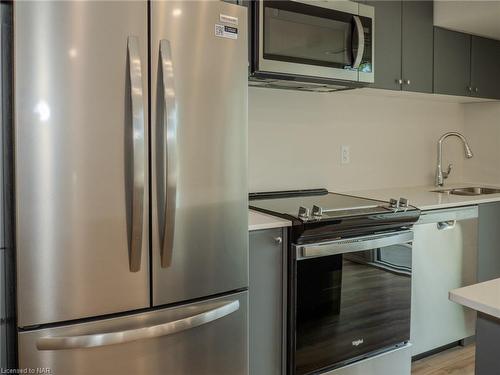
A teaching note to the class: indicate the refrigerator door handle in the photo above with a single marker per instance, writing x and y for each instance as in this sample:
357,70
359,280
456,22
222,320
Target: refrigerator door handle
126,336
138,150
170,143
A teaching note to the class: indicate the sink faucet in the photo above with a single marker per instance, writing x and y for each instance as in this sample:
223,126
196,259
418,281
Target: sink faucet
440,175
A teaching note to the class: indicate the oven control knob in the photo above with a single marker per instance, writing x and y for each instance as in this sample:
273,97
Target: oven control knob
303,212
403,202
394,203
317,211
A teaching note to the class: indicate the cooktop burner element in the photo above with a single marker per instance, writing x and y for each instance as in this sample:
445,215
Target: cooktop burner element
324,213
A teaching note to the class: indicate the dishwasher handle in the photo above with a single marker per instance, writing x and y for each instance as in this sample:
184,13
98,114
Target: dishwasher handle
445,225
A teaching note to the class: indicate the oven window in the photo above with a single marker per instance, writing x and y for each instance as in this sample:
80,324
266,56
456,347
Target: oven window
351,305
323,39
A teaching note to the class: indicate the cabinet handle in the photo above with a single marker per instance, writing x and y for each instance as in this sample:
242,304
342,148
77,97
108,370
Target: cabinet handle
407,82
469,88
399,81
476,90
278,240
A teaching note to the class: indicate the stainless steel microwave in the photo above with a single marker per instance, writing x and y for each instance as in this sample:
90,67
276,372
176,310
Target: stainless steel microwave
317,45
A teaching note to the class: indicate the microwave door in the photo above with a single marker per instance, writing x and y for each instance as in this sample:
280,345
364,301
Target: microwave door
306,40
364,24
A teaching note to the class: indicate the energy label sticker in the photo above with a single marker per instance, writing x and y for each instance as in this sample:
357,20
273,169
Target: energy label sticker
224,31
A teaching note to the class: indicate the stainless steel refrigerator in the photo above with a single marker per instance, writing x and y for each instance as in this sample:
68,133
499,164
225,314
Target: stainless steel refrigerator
131,186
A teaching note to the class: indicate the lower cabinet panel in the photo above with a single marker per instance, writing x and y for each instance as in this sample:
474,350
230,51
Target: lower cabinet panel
266,301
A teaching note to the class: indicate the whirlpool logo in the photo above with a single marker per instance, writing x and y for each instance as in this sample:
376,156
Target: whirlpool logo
358,342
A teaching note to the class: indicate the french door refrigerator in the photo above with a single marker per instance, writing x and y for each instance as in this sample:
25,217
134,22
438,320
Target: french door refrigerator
131,190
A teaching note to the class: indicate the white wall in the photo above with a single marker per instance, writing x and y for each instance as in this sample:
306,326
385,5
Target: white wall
482,129
295,140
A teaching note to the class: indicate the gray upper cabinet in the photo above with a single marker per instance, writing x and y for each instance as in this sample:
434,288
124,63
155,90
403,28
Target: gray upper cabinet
485,67
387,44
466,65
403,45
451,62
417,45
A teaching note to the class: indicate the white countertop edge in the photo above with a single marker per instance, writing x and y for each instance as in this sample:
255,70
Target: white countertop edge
478,303
259,221
425,199
471,202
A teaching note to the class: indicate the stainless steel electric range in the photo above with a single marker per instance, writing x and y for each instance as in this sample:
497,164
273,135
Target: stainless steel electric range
349,276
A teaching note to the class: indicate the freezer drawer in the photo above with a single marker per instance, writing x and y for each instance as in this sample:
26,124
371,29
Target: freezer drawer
208,337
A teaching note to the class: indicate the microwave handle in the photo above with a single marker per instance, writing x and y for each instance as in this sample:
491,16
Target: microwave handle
358,26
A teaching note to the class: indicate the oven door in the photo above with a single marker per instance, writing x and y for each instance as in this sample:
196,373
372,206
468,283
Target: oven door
326,40
352,300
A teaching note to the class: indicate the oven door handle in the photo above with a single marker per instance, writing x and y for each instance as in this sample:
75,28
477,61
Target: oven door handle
352,244
358,25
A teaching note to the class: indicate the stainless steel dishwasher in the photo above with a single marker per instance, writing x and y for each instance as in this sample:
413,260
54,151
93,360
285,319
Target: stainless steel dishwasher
444,258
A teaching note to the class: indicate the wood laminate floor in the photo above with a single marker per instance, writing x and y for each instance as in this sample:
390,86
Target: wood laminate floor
455,361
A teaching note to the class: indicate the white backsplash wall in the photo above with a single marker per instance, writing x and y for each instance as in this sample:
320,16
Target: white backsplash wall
295,140
482,129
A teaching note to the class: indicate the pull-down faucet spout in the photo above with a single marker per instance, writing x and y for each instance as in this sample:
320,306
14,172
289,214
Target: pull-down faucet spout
440,175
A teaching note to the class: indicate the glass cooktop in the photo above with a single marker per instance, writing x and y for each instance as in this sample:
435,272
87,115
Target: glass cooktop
316,204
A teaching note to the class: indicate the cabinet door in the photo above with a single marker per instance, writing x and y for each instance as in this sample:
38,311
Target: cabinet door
488,266
266,301
387,44
3,316
417,45
485,67
451,62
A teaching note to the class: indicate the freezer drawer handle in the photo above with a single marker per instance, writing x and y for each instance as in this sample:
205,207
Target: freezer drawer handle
138,139
122,337
170,143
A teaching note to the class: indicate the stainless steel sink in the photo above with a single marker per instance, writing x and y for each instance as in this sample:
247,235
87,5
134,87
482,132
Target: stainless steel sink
469,191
